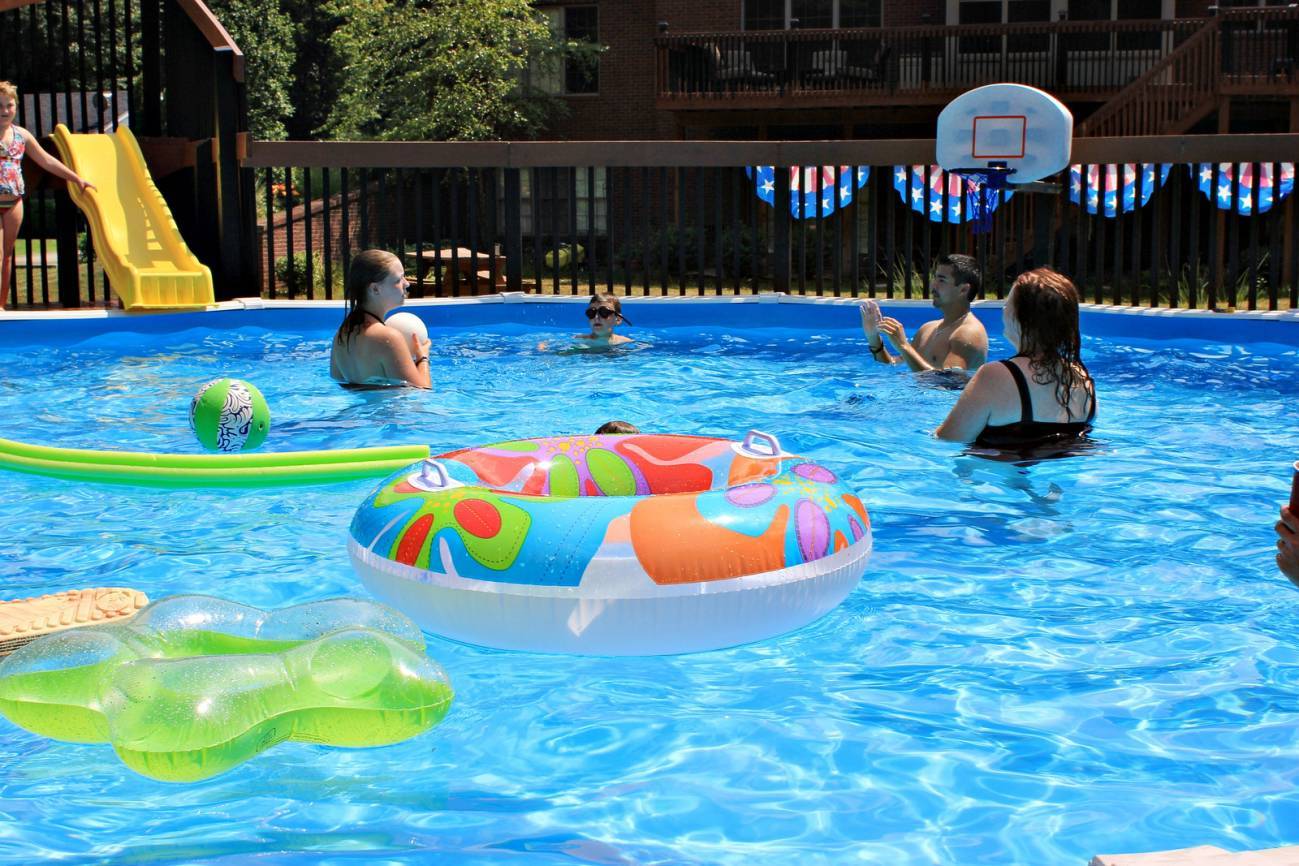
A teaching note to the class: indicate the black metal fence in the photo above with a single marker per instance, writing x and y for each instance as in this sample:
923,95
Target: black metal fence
702,228
168,70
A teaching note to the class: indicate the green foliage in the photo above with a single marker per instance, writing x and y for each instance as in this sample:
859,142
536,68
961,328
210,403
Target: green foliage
663,244
442,69
294,279
317,72
265,35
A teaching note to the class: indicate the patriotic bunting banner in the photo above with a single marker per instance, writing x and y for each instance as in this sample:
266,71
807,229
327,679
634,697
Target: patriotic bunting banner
806,200
1219,188
954,206
1111,190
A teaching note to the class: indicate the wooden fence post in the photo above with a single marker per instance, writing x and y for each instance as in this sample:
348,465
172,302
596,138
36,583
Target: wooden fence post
782,222
514,230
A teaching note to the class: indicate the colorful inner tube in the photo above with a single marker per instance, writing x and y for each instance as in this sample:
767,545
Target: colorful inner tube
613,545
271,469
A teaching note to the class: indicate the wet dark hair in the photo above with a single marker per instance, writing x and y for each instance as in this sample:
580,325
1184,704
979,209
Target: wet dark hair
965,269
368,266
620,427
1045,304
600,298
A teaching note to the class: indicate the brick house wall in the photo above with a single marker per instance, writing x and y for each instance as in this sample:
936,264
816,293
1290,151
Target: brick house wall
624,107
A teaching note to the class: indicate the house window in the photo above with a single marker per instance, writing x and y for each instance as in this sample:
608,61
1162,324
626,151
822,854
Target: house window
1013,11
579,24
1116,10
555,192
809,14
1003,12
1242,26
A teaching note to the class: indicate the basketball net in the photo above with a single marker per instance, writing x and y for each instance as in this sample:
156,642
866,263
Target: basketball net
983,185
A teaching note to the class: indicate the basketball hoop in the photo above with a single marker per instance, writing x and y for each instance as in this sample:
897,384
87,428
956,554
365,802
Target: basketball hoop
983,186
1001,130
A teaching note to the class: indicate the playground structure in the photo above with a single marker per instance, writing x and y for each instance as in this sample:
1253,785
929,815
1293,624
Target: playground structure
147,262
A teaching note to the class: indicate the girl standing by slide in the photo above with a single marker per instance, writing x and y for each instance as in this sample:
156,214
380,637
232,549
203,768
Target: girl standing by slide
15,142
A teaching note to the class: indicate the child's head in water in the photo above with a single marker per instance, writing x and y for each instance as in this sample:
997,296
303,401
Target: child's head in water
604,312
616,428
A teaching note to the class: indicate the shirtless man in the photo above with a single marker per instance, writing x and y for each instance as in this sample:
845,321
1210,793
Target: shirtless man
958,339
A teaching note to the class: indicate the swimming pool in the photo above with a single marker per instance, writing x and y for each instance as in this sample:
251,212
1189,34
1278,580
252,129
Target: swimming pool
1042,663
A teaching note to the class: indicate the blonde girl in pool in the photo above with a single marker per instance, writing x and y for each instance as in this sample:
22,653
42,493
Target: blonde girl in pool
16,142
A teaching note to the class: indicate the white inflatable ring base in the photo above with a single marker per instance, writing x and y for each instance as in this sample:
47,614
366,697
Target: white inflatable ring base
678,619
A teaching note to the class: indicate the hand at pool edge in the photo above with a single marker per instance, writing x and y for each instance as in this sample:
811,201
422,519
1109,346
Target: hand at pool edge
1287,544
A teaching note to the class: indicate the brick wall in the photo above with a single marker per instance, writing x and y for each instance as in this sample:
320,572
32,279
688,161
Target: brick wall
280,236
625,106
909,13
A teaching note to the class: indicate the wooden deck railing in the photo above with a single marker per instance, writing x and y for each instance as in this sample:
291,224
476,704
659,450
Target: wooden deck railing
1170,97
1253,51
1241,51
1071,58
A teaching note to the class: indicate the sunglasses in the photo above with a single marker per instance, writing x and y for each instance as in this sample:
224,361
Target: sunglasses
602,312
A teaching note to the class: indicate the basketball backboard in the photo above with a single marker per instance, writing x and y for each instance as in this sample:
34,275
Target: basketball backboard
1027,129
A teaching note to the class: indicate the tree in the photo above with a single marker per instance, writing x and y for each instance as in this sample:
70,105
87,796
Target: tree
317,68
265,35
444,69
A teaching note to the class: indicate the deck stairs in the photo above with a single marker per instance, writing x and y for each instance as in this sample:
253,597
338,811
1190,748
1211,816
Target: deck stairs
1171,96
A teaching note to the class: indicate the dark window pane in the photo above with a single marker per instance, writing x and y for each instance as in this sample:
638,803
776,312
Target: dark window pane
764,15
859,13
1088,10
1028,11
812,13
582,24
1139,10
980,13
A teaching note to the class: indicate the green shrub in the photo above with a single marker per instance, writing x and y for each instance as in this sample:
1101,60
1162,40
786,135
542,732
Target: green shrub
294,279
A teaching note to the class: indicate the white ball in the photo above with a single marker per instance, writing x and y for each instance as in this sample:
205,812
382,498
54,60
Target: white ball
409,324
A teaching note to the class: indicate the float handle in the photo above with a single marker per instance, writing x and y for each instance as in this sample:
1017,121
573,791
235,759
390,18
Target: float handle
434,475
771,443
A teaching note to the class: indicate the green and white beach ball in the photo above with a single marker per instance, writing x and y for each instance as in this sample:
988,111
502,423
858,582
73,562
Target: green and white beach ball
229,415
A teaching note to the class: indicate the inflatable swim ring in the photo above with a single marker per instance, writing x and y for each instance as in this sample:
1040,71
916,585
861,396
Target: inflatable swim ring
613,545
194,685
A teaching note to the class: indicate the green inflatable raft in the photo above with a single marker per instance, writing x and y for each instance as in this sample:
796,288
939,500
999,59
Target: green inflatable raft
195,685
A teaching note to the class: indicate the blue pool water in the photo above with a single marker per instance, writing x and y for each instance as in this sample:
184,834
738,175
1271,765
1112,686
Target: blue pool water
1042,662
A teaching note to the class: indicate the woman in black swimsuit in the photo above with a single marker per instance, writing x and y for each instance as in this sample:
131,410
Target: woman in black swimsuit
1043,396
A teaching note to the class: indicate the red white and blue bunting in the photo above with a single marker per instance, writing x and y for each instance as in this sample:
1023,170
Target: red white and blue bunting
806,199
947,199
1218,185
1115,189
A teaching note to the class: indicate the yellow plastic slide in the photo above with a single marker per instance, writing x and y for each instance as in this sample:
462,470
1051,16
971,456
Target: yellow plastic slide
146,259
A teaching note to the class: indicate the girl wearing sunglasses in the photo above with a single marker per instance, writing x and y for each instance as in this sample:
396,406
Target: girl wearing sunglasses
605,313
